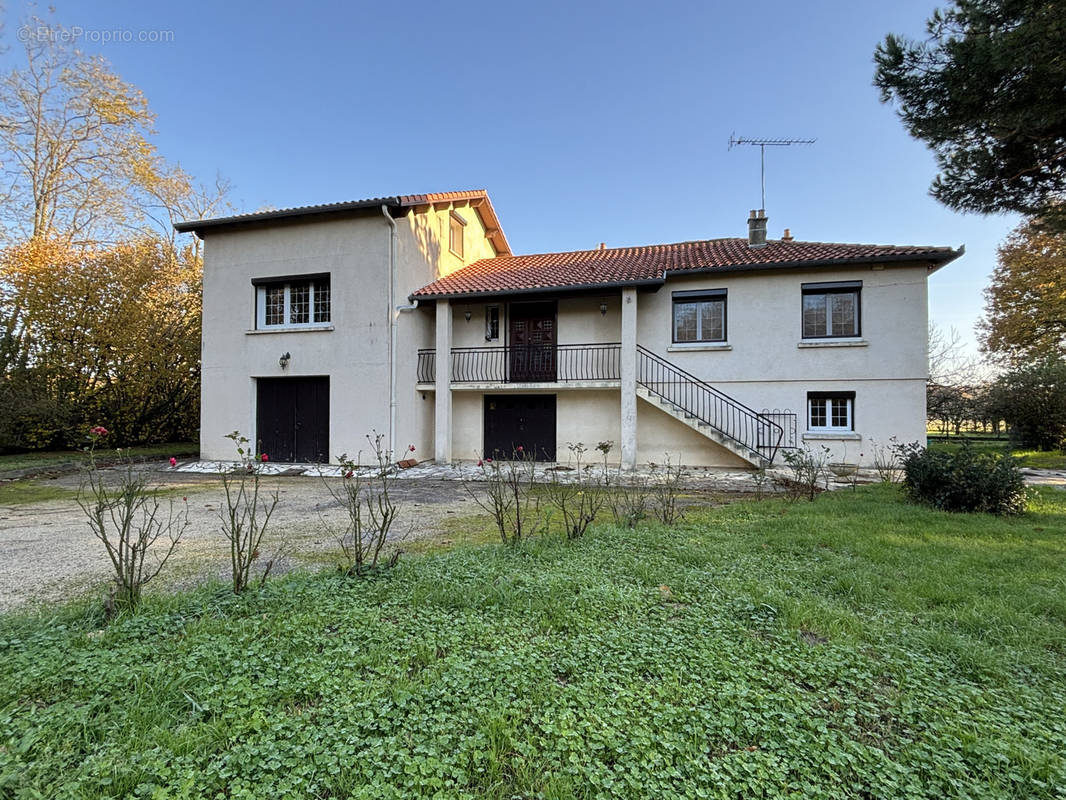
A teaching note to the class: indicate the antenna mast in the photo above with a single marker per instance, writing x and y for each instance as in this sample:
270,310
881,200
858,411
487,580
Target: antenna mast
735,141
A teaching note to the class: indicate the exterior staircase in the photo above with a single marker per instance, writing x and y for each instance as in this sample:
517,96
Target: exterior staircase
754,437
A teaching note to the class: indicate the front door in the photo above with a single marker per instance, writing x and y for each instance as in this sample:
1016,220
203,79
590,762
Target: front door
520,420
532,341
292,419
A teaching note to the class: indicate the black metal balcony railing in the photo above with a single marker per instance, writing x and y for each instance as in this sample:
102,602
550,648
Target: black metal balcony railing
563,363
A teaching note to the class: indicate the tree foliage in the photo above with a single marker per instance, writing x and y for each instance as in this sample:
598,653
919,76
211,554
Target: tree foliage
987,92
1032,401
99,304
102,333
1025,304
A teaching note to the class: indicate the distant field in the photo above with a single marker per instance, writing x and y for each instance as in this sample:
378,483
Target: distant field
1037,459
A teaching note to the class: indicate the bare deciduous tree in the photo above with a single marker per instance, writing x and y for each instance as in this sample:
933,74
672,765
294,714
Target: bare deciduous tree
75,143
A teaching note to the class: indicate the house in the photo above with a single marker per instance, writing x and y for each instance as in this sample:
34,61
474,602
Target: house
411,316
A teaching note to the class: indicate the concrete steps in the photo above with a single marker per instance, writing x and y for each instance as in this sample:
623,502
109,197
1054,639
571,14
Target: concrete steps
710,432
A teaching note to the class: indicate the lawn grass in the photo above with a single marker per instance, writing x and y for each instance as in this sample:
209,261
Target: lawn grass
1037,459
856,646
52,459
14,493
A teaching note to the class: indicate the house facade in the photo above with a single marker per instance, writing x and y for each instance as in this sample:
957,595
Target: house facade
410,316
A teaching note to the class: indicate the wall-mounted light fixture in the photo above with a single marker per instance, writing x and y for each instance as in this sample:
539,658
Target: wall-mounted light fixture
467,315
603,309
284,360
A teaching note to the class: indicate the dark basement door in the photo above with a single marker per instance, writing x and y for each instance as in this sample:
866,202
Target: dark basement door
292,419
526,420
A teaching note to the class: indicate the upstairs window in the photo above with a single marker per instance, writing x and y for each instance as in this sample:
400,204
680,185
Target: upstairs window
456,227
700,316
293,302
492,323
831,310
830,411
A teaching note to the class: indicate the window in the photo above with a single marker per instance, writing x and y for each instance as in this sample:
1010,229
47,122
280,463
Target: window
830,411
492,323
456,226
831,310
292,302
699,316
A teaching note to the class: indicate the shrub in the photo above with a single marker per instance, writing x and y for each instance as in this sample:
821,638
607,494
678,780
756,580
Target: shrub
370,507
579,500
128,520
508,495
810,472
667,481
962,480
246,515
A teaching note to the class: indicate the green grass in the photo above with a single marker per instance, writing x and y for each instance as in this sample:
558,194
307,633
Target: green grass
853,647
13,493
52,459
1037,459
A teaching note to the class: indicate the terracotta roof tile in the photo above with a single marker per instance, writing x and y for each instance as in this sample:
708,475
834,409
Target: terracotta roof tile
649,265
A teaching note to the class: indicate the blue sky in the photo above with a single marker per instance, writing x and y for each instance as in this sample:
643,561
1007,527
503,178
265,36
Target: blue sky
586,122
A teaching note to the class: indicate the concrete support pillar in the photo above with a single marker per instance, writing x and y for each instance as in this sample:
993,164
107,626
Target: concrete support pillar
442,425
628,374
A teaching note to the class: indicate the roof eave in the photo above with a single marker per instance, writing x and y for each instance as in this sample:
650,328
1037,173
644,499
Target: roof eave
936,260
199,226
561,289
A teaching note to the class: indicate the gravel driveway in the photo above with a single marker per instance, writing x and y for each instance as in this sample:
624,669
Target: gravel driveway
48,553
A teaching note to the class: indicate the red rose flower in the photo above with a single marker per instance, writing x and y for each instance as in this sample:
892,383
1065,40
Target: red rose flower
264,457
173,461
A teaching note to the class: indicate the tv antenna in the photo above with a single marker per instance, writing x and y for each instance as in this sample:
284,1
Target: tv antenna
762,144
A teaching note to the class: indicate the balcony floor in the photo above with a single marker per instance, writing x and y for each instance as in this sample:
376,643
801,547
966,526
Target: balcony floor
532,386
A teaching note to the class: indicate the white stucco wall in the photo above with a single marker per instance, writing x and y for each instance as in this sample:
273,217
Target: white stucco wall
764,367
767,365
355,353
770,367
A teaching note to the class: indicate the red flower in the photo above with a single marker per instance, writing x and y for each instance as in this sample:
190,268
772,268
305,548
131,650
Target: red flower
411,448
264,457
99,430
173,461
519,448
480,463
488,460
348,474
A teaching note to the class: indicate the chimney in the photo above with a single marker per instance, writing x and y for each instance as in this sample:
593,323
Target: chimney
757,228
788,235
603,245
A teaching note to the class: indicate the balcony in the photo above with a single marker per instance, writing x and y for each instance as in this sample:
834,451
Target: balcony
574,365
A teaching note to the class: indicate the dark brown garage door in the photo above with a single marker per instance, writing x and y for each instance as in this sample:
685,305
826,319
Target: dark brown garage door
520,420
292,418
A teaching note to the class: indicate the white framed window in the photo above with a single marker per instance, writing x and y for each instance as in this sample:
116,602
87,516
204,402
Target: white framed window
298,302
832,310
830,411
456,228
699,316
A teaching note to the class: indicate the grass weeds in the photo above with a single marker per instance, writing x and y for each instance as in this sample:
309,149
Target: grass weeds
61,459
856,646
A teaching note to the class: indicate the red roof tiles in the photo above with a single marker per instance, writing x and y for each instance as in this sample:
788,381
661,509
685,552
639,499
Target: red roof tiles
650,265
